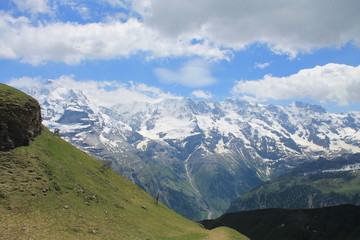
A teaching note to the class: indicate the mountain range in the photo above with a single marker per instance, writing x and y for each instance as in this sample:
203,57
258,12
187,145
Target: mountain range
198,156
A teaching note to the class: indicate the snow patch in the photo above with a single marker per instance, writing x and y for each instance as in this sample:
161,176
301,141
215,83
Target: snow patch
221,147
347,168
143,144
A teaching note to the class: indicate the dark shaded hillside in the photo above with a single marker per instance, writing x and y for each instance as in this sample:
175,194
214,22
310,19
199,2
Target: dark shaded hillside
330,223
310,185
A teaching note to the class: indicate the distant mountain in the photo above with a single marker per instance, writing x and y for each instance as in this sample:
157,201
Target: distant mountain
52,190
198,156
329,223
310,185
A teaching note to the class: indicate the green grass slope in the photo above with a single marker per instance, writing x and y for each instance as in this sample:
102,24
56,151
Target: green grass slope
51,190
12,96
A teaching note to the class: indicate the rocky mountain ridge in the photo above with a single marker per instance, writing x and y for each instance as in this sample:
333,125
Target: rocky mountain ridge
198,156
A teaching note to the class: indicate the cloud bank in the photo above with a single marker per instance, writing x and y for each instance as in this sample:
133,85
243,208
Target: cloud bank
72,43
162,28
285,26
337,83
105,93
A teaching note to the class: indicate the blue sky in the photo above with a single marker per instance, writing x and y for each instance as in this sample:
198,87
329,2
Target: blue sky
271,51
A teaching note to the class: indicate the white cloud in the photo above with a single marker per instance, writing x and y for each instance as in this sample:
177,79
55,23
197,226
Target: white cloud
72,42
194,73
332,82
156,94
33,6
105,93
143,7
166,28
201,94
26,82
286,26
262,65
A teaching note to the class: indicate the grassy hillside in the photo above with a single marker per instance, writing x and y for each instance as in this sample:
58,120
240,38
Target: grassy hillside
12,96
51,190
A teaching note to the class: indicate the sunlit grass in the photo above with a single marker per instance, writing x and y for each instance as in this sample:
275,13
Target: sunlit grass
51,190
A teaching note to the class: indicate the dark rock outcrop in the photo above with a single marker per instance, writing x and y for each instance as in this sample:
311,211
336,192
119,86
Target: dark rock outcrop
20,118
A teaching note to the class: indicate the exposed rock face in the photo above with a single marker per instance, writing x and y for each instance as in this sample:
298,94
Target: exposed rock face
20,118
